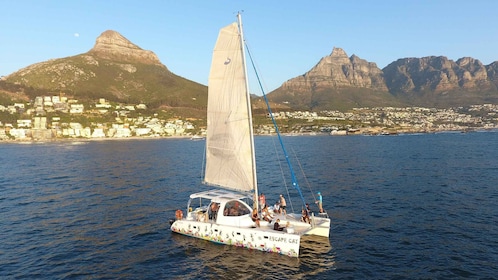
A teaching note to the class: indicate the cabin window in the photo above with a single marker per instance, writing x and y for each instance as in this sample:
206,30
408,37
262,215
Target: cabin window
235,208
198,204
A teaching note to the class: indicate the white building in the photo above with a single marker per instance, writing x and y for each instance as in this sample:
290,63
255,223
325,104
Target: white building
24,123
76,109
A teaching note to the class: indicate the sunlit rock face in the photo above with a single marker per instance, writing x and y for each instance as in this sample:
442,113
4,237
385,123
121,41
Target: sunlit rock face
112,45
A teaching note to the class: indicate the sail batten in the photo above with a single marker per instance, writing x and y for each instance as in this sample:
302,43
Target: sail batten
229,148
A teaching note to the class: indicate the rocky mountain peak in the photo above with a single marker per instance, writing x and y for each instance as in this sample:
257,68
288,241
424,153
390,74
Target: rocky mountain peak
114,46
339,71
339,53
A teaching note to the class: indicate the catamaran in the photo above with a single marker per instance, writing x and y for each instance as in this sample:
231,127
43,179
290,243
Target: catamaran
225,214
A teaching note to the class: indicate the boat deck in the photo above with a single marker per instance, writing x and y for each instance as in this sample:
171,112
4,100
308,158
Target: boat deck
295,226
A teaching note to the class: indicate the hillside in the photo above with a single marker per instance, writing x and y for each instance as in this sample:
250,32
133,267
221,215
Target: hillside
115,69
120,71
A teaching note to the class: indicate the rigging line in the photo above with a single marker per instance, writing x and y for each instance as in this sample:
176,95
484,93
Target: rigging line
289,201
293,176
277,157
282,173
279,164
257,70
304,175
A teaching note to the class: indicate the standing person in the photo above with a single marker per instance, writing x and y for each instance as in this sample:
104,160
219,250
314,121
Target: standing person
262,201
320,202
214,211
283,205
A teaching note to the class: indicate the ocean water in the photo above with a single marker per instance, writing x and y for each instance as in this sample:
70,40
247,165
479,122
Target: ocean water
402,207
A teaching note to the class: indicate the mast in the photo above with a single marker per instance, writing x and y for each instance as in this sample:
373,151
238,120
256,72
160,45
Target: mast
249,110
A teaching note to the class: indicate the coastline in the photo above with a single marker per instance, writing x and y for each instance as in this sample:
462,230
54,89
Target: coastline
86,139
177,137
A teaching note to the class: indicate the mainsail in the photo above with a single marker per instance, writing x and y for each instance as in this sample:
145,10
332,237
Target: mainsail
230,161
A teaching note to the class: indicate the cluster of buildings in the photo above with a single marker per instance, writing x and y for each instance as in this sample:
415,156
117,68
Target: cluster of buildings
41,121
50,118
391,120
422,120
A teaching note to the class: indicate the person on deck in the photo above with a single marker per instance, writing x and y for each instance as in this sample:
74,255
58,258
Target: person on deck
305,217
276,208
266,214
214,210
179,214
283,205
308,209
262,201
255,217
320,202
276,225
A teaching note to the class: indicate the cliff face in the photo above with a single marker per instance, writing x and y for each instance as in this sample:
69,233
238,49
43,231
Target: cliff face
436,74
339,71
113,46
492,71
421,81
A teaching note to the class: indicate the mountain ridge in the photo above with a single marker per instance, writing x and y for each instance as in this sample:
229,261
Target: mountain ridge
427,81
115,69
121,71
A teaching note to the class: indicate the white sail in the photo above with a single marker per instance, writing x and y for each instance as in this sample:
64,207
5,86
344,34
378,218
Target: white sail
229,145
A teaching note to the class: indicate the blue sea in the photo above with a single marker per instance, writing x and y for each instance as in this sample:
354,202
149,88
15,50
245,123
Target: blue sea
402,207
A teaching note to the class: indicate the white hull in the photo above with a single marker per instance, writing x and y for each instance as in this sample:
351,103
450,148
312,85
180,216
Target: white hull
263,238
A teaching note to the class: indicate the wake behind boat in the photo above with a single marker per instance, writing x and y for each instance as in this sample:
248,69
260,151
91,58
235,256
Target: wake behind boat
226,215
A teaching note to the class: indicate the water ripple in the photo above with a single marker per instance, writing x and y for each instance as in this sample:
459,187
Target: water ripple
402,207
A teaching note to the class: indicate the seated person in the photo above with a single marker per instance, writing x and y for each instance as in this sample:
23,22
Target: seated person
276,208
255,217
232,209
305,217
308,209
266,214
201,216
276,225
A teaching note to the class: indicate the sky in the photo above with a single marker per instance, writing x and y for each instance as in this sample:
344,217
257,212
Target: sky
286,38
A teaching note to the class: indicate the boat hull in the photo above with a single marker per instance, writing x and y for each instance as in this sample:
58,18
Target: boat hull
262,238
321,228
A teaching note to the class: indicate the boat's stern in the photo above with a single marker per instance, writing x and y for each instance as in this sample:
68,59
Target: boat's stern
319,226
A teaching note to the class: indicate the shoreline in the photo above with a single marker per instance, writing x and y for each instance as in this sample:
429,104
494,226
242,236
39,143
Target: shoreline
134,138
82,139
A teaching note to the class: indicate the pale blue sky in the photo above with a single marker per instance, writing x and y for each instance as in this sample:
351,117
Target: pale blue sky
287,38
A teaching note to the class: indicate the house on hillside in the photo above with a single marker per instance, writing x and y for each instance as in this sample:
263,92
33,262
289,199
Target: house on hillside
76,109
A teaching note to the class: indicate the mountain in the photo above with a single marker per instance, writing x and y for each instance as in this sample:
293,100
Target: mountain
120,71
342,82
115,69
437,81
336,82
